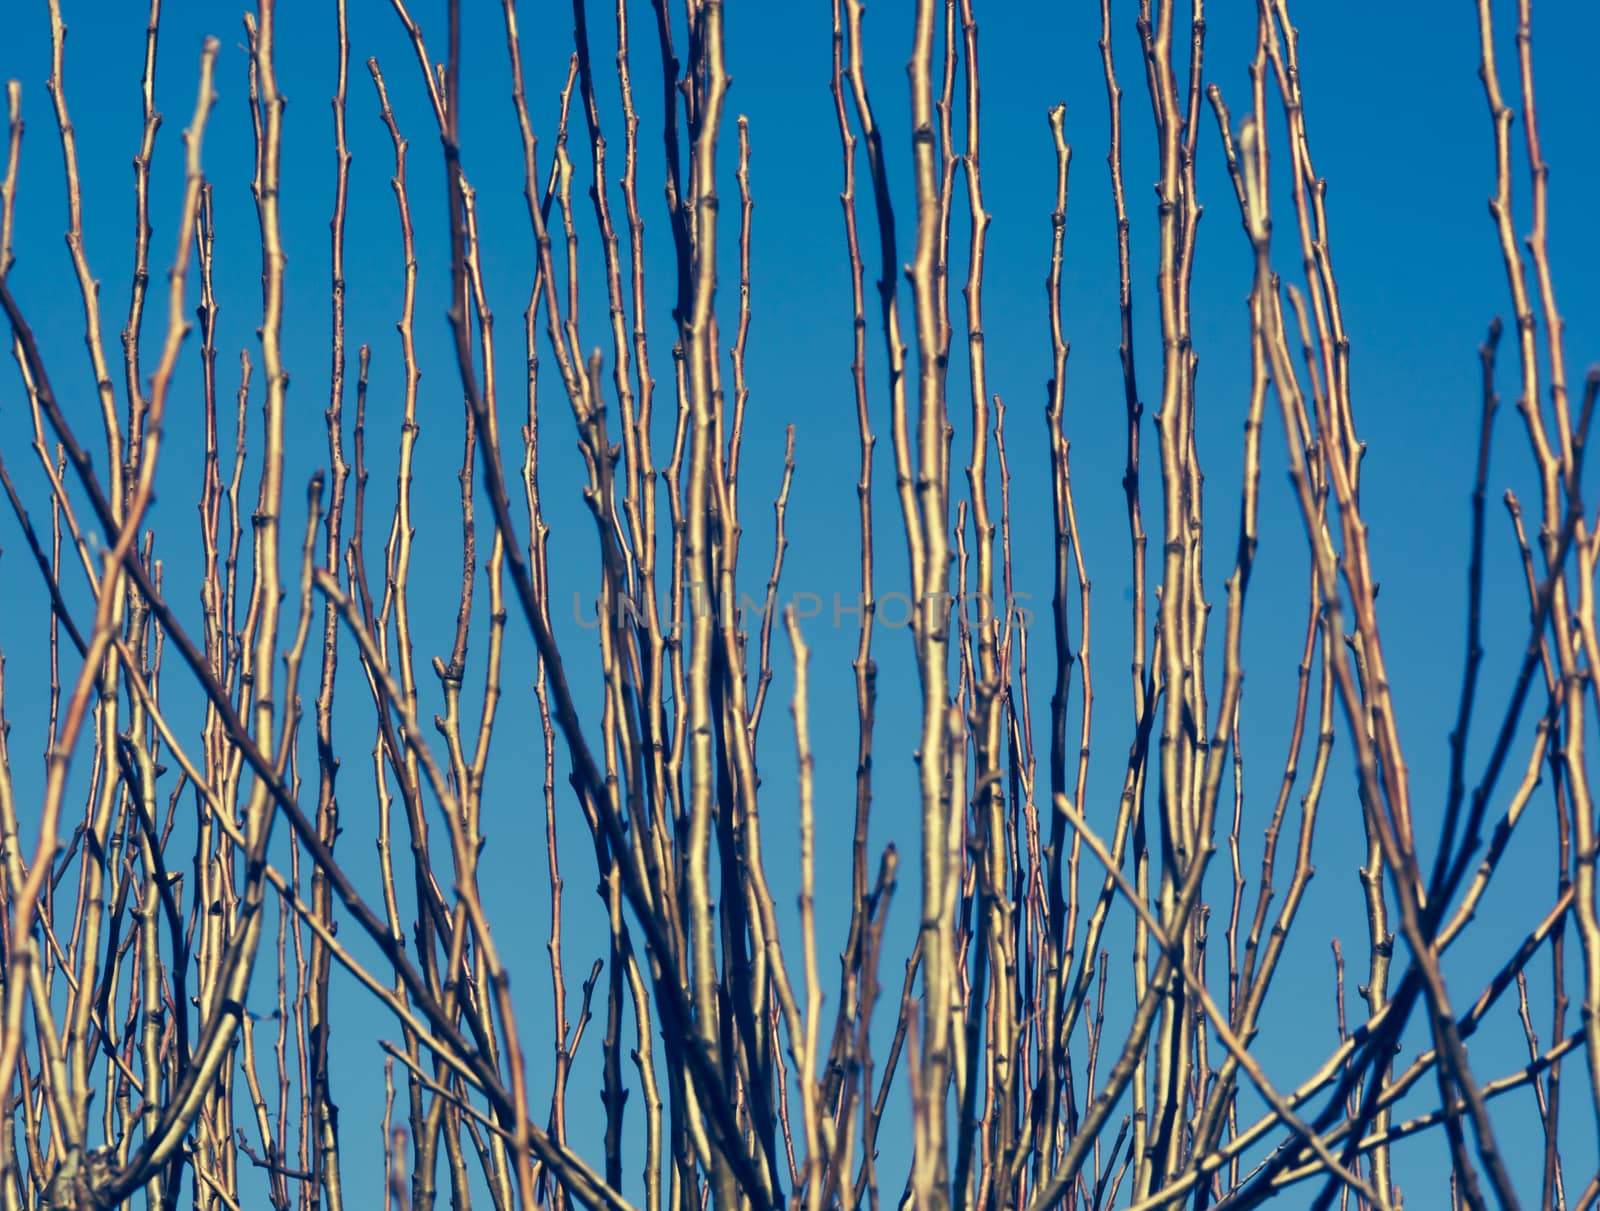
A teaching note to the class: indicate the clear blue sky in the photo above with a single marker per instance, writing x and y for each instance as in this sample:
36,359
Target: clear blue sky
1398,126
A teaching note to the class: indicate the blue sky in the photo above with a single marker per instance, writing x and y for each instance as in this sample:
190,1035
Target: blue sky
1398,126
